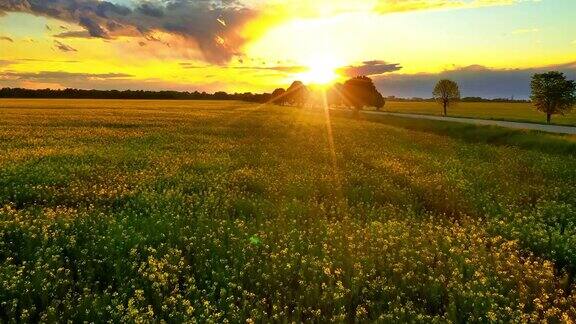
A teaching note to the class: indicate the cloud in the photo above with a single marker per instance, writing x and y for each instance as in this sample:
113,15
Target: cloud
284,69
6,38
474,81
102,81
74,34
370,68
24,61
386,6
322,7
6,62
194,20
63,47
93,27
51,61
151,10
188,65
279,68
315,8
60,76
59,79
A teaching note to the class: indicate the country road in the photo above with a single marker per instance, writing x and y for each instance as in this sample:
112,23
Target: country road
509,124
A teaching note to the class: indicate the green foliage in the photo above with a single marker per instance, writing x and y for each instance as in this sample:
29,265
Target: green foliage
296,95
522,112
225,211
360,92
279,96
493,135
446,93
552,93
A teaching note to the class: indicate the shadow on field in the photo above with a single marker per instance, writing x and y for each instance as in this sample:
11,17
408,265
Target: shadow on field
525,139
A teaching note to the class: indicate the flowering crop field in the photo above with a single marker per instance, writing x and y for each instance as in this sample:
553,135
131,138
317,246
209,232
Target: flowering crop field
182,211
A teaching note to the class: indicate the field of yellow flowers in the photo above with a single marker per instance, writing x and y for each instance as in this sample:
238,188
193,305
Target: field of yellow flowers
145,211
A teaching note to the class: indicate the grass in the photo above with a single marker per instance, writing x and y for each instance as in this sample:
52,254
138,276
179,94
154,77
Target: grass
137,211
533,140
523,112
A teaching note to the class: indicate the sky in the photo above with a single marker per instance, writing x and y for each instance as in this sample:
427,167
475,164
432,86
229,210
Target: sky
490,47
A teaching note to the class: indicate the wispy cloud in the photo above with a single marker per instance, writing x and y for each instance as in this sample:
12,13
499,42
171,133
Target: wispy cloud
306,8
74,34
6,62
63,47
59,79
412,5
101,81
285,69
6,38
46,60
279,68
60,76
370,68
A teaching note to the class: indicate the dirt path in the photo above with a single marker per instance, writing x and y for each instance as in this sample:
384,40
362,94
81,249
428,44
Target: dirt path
509,124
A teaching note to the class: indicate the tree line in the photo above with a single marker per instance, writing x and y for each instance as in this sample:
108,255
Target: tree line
357,93
183,95
551,93
130,94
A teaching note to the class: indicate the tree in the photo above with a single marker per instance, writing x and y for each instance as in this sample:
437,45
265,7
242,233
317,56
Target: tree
360,92
297,94
380,102
446,93
279,96
552,93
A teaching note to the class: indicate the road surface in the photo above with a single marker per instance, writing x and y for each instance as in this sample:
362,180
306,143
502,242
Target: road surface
517,125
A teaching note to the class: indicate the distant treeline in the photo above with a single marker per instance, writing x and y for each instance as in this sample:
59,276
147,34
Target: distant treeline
184,95
465,99
131,94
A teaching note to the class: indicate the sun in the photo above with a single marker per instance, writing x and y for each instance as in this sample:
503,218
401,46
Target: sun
320,71
319,75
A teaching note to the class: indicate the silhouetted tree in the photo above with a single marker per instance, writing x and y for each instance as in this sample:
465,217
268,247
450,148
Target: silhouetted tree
220,95
360,92
297,94
446,93
553,94
380,102
279,96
